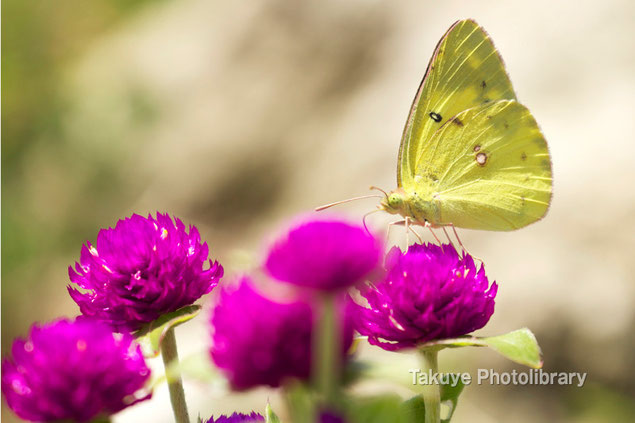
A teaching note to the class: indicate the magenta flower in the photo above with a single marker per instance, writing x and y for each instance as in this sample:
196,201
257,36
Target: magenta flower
73,371
258,341
427,293
323,254
141,269
253,417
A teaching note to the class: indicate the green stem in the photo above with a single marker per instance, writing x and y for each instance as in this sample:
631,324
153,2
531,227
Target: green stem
326,352
175,384
431,391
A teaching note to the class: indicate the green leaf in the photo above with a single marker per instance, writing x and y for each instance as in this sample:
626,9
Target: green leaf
415,410
197,367
270,416
519,346
380,409
299,400
450,395
151,335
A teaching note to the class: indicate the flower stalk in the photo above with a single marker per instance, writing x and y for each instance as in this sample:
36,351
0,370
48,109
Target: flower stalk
431,390
170,357
326,357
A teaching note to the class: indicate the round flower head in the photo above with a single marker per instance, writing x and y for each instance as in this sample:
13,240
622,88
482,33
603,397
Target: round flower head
141,269
427,293
253,417
323,254
73,371
257,341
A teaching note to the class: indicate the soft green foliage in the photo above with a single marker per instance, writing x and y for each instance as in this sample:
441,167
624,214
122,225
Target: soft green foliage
380,409
299,401
450,395
152,334
270,416
197,367
519,346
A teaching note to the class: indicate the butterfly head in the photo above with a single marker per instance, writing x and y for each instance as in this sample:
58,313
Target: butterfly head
394,202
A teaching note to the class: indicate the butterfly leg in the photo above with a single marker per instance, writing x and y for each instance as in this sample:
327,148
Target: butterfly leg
429,226
448,237
390,225
410,228
456,234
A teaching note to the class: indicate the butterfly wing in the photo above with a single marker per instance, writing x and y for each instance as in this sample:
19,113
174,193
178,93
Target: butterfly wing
490,170
465,71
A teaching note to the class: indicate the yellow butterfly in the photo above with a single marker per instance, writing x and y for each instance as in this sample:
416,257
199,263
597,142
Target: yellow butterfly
471,156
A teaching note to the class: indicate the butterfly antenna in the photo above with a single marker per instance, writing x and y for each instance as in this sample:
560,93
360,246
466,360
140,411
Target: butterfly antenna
326,206
379,189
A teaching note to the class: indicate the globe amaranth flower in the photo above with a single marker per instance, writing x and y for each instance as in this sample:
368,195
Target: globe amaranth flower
427,293
258,341
141,269
73,371
324,254
252,417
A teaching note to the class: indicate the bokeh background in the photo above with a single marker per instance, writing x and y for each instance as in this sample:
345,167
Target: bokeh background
236,116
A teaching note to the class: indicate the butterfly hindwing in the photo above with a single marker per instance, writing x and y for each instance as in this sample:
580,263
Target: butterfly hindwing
465,71
491,168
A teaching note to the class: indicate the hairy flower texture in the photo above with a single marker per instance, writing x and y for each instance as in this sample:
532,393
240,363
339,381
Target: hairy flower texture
324,254
141,269
427,293
258,341
253,417
73,371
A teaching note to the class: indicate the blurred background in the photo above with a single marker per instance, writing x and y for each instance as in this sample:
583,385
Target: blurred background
238,116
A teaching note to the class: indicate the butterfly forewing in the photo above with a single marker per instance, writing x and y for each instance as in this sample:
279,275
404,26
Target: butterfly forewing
464,72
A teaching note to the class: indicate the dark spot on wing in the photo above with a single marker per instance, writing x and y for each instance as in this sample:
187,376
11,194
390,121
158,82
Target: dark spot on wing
486,100
523,156
435,117
457,121
489,116
483,84
546,164
506,125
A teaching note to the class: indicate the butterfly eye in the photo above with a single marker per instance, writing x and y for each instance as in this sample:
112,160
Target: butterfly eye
395,200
